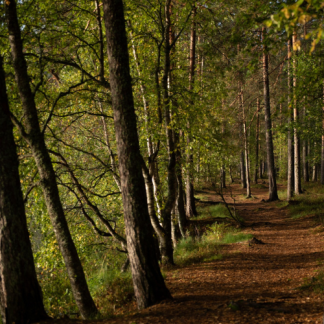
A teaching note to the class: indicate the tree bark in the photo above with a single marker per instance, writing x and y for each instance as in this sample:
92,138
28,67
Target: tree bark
314,177
20,294
35,139
305,141
159,230
190,203
167,254
180,205
257,139
242,168
246,152
148,282
297,168
305,161
322,147
273,195
290,167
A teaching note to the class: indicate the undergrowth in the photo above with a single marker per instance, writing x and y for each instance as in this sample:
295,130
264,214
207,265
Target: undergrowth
109,287
311,202
207,247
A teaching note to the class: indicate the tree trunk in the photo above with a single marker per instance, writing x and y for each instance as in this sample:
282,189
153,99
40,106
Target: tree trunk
159,230
242,168
290,167
246,152
35,139
305,161
273,195
230,174
148,282
223,177
305,141
322,148
180,204
297,168
190,204
20,294
257,139
314,177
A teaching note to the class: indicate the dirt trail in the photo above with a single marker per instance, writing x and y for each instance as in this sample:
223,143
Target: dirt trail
259,280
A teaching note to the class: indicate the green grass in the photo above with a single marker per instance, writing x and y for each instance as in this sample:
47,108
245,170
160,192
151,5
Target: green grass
201,196
282,194
111,289
311,202
208,246
220,211
235,237
307,205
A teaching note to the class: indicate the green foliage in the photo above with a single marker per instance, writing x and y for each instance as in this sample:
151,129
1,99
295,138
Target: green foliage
57,296
111,289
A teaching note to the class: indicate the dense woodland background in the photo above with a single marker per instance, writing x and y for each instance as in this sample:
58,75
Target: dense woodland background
219,87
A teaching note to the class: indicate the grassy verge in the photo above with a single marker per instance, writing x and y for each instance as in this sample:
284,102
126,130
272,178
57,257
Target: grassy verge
111,289
207,247
311,202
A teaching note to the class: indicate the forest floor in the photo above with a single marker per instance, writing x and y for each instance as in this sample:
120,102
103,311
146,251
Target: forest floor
252,283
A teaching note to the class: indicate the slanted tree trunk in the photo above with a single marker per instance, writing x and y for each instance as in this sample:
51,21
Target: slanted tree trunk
190,203
273,195
35,139
159,230
148,282
290,167
297,168
20,294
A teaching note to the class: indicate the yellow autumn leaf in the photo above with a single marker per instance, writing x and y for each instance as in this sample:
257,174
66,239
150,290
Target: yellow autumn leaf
286,12
297,45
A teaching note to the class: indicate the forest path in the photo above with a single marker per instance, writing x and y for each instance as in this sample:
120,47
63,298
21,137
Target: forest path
261,280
